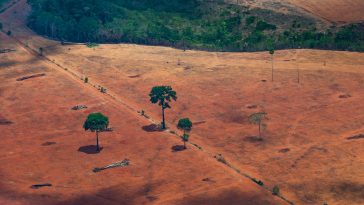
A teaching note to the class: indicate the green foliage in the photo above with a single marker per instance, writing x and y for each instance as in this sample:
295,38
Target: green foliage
91,45
40,50
162,95
208,25
185,137
275,190
185,124
96,122
257,118
250,20
262,25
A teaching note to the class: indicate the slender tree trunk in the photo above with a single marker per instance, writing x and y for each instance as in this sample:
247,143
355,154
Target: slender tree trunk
184,141
272,68
97,141
163,122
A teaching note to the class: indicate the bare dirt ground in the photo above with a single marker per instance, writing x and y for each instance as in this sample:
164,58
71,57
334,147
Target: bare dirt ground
334,11
43,142
305,149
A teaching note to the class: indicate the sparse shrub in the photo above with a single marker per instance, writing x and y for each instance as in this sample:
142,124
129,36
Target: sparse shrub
85,80
8,33
275,190
185,124
1,26
103,90
41,51
220,158
91,45
259,182
142,112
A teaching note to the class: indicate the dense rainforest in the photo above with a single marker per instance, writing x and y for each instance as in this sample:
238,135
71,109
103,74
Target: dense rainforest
197,24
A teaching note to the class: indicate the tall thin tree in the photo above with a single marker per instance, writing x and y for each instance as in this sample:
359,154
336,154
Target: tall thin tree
162,95
271,52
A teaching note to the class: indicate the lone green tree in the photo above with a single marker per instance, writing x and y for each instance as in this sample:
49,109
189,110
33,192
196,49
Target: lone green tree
185,124
162,95
271,52
257,119
96,122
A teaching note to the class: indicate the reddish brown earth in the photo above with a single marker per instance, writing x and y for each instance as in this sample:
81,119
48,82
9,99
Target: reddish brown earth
333,11
305,149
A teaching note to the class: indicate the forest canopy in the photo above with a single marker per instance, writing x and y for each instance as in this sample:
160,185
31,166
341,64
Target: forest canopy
198,24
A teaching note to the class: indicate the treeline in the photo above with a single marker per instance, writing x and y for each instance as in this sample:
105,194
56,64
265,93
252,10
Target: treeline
196,24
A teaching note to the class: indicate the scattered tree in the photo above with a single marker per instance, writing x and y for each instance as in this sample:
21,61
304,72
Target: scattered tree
8,33
96,122
162,95
185,124
275,190
1,26
41,51
271,52
257,119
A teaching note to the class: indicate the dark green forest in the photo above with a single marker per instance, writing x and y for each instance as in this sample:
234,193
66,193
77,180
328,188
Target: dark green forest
196,24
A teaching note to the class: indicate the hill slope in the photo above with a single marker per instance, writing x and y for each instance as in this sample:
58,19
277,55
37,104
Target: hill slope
192,24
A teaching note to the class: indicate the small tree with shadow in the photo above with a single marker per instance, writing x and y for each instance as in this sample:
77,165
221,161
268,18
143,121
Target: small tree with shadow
162,95
271,52
257,119
185,124
41,51
96,122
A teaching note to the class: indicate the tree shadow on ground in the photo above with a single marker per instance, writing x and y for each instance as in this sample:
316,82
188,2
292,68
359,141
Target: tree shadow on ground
178,148
89,149
152,128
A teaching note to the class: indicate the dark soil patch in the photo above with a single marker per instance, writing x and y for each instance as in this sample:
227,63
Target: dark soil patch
285,150
199,122
253,139
151,198
89,149
251,106
79,107
134,76
178,148
37,186
355,137
30,76
208,180
5,122
344,96
49,143
152,128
